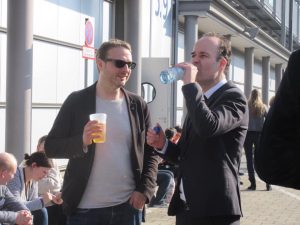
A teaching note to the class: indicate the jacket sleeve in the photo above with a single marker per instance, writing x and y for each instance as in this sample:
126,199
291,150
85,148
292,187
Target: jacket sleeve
277,159
150,161
16,186
212,121
8,217
63,140
11,206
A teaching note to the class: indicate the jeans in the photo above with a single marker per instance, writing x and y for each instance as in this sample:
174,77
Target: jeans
250,145
56,215
40,217
123,214
164,178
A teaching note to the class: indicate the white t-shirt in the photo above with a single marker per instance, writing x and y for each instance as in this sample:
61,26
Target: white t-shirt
111,181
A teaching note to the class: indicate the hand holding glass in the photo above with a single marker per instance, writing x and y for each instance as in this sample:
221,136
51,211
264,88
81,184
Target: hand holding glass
100,118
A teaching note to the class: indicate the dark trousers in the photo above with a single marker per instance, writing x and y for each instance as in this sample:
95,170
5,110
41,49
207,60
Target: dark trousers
250,145
123,214
164,178
56,215
185,218
40,217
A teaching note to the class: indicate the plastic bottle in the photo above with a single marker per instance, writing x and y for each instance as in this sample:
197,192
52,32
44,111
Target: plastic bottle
171,74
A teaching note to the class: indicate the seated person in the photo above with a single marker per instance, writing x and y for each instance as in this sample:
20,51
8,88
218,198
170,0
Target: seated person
25,188
12,211
177,135
164,181
52,183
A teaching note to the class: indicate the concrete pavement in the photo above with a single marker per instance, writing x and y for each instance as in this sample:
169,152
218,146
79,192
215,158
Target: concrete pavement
281,206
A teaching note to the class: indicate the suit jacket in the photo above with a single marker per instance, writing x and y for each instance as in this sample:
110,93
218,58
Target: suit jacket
17,187
65,141
277,161
9,206
209,151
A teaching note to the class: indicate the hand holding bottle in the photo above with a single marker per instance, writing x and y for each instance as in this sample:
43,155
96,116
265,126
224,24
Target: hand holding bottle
171,74
187,72
156,137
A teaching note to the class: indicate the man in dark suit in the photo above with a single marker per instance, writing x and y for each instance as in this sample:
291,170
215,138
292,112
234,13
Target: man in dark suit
277,160
110,182
212,139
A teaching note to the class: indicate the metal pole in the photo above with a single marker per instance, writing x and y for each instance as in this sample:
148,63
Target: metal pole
19,77
174,60
249,65
133,34
291,25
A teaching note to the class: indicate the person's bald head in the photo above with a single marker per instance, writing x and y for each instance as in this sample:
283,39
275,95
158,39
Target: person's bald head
8,167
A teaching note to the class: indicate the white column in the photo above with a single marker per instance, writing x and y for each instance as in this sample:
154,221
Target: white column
19,77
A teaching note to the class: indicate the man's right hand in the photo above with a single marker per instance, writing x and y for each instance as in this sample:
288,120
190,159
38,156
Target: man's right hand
24,217
89,131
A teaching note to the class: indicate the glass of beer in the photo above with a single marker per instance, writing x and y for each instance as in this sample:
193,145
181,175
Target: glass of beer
101,118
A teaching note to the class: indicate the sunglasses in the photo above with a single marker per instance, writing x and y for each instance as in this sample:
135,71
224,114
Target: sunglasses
120,63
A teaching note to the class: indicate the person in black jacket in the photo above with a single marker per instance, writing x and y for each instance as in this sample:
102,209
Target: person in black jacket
277,161
110,182
210,147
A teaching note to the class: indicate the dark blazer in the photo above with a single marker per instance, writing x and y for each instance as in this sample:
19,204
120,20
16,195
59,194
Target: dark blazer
65,141
209,151
277,161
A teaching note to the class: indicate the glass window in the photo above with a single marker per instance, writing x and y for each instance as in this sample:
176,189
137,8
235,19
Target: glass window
3,13
57,71
2,67
42,121
2,128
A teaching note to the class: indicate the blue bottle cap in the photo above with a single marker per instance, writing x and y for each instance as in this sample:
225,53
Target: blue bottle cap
156,129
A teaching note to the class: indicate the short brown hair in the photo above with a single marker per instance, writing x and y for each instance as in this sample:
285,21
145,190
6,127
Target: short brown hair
112,43
224,47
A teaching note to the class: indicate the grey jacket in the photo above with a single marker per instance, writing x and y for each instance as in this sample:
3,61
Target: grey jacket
9,205
17,188
256,123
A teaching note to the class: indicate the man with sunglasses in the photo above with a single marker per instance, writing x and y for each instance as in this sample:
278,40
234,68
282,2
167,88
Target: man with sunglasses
110,182
209,149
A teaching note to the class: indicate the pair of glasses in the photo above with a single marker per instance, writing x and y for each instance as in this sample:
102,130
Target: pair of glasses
120,63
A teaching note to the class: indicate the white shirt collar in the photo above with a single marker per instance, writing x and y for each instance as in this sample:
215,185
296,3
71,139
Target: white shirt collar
213,89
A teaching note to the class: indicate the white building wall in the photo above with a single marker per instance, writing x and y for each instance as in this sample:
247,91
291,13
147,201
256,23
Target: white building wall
58,69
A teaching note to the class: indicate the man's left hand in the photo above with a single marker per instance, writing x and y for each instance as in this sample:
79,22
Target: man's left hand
137,200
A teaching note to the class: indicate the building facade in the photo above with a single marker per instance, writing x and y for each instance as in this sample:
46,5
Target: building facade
41,59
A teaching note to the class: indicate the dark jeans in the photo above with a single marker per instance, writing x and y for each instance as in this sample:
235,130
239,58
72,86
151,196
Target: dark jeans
123,214
250,145
40,217
185,218
56,215
163,181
